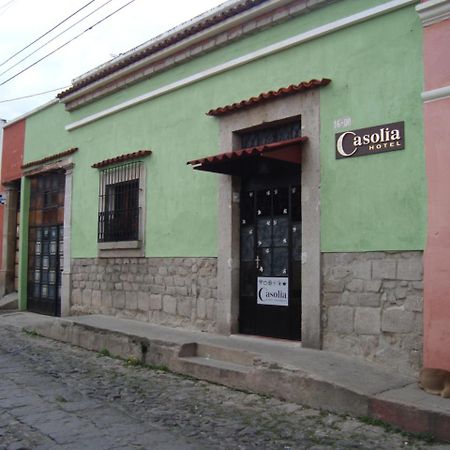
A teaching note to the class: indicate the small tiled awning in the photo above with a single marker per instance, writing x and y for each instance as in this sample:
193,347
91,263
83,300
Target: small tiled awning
233,162
121,158
47,159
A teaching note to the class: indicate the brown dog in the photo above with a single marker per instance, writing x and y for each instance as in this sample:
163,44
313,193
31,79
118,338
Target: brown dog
435,381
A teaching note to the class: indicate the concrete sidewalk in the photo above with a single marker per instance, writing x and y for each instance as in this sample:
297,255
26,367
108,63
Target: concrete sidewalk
283,369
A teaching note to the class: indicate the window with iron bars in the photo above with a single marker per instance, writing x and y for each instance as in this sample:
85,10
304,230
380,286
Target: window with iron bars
119,208
270,134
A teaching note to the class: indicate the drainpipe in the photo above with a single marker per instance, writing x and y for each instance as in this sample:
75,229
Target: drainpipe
2,124
2,271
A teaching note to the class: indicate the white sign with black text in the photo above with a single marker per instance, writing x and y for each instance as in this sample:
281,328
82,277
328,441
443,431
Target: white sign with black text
273,291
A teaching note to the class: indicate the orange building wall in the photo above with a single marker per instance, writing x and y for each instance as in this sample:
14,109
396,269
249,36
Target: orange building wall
12,157
13,145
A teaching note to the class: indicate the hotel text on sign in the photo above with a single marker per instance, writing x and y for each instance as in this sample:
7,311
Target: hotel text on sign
367,141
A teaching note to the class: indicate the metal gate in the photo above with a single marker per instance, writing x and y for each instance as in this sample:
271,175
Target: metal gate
45,247
270,266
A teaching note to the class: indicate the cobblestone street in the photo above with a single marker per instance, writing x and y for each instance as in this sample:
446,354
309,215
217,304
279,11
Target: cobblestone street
54,396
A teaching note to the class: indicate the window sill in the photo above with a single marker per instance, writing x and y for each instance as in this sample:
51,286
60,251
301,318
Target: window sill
120,249
116,245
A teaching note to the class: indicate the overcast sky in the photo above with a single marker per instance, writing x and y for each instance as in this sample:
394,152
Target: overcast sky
23,21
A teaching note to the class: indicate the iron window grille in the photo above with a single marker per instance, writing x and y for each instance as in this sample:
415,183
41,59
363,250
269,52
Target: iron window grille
119,207
270,134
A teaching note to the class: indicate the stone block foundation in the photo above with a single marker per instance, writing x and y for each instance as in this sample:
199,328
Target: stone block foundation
372,307
178,292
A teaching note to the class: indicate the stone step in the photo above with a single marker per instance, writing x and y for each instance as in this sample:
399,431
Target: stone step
214,352
214,370
10,302
217,364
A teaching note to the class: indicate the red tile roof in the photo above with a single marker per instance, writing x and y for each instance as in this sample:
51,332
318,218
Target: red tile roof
246,152
270,95
50,158
121,158
171,39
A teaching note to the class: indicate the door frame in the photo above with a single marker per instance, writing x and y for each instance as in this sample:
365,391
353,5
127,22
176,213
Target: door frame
62,163
50,304
305,105
10,227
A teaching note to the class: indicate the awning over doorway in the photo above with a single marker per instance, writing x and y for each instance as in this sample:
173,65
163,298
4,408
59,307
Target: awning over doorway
234,162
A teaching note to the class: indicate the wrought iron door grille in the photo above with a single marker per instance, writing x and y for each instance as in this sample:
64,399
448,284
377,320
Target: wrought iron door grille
119,209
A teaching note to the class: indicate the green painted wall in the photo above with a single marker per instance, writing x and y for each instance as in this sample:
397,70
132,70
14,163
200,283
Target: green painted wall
23,243
369,203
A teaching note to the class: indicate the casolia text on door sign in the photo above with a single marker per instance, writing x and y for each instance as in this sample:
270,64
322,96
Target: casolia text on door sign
273,291
367,141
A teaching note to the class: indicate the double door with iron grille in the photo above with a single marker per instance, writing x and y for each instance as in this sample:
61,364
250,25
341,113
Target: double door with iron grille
270,257
45,243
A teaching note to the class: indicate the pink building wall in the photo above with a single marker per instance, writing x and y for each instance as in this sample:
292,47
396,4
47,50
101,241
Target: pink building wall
437,152
437,253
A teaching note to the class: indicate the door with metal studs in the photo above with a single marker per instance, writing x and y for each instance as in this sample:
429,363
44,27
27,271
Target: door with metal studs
45,243
270,258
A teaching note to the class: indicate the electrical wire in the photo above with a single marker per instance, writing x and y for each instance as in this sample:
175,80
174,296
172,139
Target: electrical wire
55,37
5,9
33,95
6,6
47,32
66,43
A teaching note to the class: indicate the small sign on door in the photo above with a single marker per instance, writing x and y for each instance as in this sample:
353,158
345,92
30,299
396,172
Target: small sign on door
273,291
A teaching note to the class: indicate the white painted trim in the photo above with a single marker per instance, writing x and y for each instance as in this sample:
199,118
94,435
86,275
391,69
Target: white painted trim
433,11
245,59
66,280
436,94
30,113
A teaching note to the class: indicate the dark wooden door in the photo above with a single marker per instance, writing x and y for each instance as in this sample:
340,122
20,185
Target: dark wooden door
45,243
270,266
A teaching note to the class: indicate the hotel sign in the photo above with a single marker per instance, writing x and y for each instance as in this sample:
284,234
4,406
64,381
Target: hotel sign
369,141
273,291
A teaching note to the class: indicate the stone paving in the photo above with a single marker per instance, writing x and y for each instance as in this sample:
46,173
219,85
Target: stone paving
54,396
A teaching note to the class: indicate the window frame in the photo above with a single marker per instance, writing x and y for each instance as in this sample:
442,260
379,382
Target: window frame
130,247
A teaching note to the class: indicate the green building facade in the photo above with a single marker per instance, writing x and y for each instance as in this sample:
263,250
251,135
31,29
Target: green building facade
194,250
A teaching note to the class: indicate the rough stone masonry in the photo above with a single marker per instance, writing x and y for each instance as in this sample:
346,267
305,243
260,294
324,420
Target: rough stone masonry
371,302
372,307
166,291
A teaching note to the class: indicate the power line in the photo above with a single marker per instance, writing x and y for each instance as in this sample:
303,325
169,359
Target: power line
53,38
33,95
47,32
66,43
7,5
